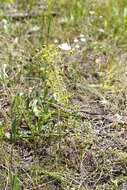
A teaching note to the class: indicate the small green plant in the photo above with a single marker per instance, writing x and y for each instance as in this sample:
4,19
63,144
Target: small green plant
15,182
63,112
52,74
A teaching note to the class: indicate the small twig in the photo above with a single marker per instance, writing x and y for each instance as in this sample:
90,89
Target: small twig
44,184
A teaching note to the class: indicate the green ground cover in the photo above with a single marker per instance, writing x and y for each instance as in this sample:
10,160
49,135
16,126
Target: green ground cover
63,84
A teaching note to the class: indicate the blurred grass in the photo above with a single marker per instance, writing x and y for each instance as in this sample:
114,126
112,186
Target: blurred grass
63,113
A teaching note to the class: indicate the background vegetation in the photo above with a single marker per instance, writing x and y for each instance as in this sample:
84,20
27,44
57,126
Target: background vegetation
63,74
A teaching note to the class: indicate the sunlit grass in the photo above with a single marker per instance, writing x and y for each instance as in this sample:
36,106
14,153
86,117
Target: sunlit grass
63,109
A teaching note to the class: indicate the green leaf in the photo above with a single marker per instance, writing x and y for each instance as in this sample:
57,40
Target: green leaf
7,1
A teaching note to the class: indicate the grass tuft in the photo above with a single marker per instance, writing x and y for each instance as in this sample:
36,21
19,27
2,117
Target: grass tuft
63,109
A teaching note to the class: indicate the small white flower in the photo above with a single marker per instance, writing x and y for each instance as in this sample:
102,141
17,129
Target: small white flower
4,21
81,36
92,12
65,46
35,28
55,96
76,40
55,41
8,135
83,40
16,40
101,30
77,46
21,94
